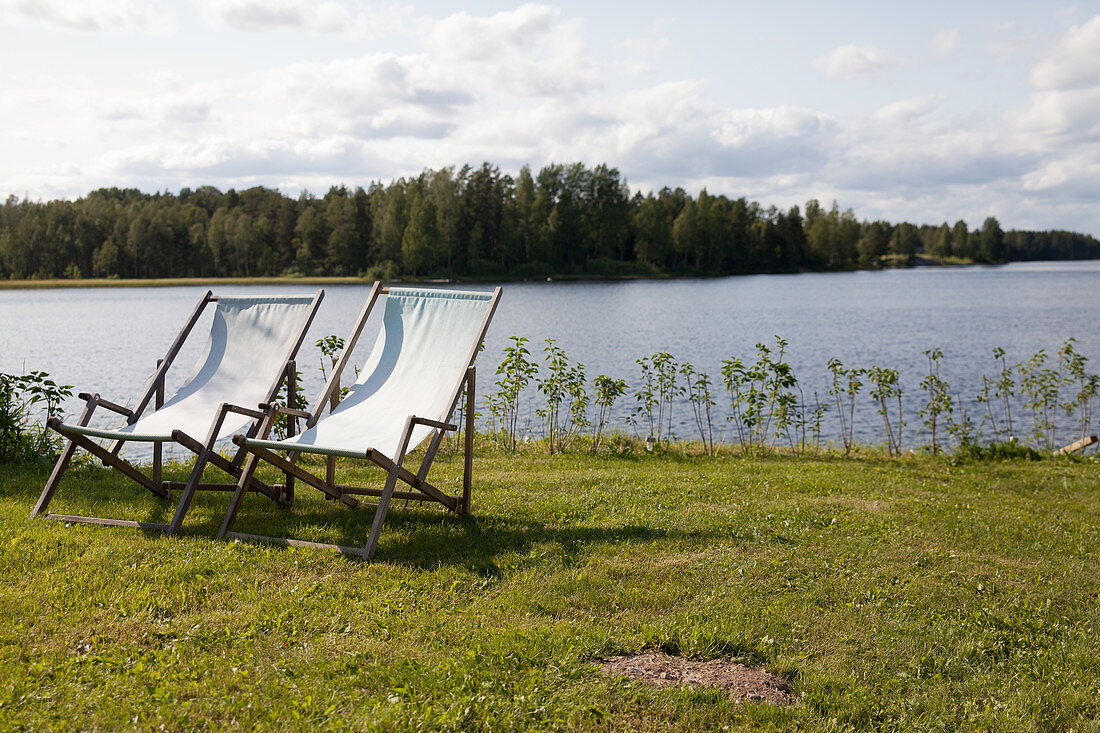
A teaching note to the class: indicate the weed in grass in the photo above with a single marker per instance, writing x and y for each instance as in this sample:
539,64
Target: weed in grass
514,373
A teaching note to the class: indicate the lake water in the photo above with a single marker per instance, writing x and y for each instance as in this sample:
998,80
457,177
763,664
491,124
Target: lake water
108,339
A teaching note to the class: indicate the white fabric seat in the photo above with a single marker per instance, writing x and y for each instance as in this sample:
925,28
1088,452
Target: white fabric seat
246,351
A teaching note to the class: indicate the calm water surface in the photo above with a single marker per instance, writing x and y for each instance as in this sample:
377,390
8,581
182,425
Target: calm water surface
108,339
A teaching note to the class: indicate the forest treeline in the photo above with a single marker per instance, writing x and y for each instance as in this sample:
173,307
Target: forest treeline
479,222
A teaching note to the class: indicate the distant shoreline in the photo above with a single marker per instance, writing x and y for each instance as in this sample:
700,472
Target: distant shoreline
105,282
171,282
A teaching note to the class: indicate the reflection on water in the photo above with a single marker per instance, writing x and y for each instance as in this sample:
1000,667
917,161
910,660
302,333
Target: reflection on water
108,339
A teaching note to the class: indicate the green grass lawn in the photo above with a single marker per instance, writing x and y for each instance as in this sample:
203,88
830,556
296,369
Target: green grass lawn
907,594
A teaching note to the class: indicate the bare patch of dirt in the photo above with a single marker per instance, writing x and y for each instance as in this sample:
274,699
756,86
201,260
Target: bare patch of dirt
740,682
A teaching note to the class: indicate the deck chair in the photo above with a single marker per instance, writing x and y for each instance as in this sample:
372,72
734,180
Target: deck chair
249,355
404,395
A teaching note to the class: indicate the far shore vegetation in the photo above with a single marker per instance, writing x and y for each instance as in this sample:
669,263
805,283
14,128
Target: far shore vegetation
565,221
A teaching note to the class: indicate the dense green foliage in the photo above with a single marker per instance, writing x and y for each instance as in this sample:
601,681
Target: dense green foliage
26,402
894,595
564,220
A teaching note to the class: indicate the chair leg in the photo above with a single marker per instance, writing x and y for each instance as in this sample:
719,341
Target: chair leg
158,463
55,478
250,464
188,492
63,460
248,470
387,492
291,424
196,473
468,443
158,448
380,513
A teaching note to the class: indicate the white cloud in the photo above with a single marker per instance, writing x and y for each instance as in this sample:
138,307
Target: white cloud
667,133
1076,178
854,62
247,15
1063,122
324,16
775,128
1066,80
470,37
521,87
1073,62
526,51
169,80
391,114
1006,41
1073,114
236,160
91,16
909,110
361,86
943,43
901,158
642,51
646,47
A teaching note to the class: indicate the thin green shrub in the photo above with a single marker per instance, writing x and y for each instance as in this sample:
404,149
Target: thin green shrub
23,398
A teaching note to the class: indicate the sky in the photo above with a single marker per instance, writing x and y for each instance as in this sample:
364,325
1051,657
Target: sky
924,112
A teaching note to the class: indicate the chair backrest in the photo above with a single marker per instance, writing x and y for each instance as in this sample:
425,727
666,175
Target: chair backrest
251,339
428,339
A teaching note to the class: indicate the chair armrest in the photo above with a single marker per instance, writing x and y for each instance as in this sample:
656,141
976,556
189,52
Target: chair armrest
268,407
243,411
124,411
433,423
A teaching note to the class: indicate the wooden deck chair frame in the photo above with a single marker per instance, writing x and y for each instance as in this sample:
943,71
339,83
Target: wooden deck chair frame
421,489
203,449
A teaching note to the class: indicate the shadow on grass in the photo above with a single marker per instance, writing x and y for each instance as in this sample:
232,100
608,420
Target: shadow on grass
427,537
420,537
